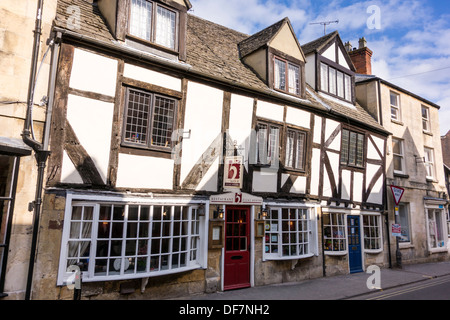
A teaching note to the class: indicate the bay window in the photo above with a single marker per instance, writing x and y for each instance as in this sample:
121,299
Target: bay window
124,240
290,233
335,239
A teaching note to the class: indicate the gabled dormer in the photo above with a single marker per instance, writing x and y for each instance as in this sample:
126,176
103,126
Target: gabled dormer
276,56
329,67
156,26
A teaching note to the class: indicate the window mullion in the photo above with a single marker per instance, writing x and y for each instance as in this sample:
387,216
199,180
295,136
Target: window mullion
124,241
94,235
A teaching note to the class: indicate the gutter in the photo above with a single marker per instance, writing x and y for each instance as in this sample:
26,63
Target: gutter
40,149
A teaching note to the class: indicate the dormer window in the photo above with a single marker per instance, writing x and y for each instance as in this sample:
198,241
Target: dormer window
286,76
153,22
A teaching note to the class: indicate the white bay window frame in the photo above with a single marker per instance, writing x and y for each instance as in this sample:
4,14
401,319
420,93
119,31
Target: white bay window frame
196,237
306,238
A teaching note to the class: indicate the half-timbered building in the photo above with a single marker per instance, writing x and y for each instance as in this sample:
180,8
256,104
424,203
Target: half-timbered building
188,157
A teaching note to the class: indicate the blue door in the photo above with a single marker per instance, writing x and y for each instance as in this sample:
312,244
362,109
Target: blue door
354,244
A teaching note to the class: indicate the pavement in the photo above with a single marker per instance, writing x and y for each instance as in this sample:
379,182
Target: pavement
336,287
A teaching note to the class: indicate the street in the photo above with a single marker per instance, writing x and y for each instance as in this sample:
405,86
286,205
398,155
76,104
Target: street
433,289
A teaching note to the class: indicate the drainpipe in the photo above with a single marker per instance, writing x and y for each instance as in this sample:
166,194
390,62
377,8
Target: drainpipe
40,149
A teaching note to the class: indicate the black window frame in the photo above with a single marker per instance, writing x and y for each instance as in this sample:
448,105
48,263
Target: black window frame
148,145
345,153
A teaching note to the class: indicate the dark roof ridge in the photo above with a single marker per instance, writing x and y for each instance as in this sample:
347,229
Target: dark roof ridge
317,44
260,38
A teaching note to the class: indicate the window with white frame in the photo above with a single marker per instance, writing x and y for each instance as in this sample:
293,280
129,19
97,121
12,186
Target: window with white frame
404,220
290,233
398,155
153,22
295,149
372,232
335,82
426,119
112,241
335,239
435,225
429,162
395,106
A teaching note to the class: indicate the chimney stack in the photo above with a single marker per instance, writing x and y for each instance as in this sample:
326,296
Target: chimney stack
361,57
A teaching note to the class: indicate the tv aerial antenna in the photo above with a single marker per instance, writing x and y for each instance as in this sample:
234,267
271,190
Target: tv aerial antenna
325,24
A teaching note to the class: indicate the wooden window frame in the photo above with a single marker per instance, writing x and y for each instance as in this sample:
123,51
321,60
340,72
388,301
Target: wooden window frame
335,223
152,40
345,159
429,163
347,96
372,232
297,132
272,162
150,121
287,63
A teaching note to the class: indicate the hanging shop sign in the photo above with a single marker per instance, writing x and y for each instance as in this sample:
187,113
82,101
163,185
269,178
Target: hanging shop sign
233,172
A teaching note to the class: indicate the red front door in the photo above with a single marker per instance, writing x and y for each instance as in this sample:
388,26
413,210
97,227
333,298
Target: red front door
237,254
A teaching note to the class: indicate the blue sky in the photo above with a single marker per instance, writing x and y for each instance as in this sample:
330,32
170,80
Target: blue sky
411,43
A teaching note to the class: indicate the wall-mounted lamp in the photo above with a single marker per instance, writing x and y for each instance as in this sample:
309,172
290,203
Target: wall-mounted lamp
263,214
201,209
218,213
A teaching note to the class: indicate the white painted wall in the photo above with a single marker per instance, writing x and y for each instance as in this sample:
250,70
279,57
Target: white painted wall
315,170
241,113
330,53
310,70
144,172
299,185
152,77
270,111
94,73
91,121
317,129
203,117
298,117
265,180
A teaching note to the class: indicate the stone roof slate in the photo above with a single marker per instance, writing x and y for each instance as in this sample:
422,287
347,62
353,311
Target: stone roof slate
213,50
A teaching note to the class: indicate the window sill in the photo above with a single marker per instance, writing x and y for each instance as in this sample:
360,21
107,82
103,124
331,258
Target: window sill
400,123
268,257
373,251
336,253
401,175
145,151
428,133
